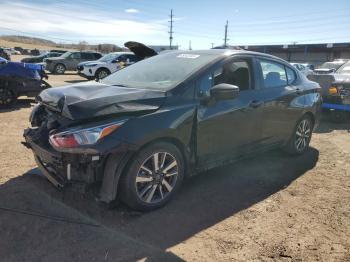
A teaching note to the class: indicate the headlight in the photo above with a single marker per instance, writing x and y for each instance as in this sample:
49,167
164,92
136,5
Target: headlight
81,137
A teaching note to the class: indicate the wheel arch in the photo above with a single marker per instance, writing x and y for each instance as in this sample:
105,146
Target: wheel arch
102,68
113,172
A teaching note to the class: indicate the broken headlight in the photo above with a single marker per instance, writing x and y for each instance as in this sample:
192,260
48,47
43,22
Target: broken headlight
80,137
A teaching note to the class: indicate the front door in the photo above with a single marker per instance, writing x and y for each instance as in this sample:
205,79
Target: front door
228,128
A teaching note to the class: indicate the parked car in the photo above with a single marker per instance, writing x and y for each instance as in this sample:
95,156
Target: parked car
19,79
115,61
336,92
4,54
140,131
303,68
329,67
105,65
40,58
58,51
69,61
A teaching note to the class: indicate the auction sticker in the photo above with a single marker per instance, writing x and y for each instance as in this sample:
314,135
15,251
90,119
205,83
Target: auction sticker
190,56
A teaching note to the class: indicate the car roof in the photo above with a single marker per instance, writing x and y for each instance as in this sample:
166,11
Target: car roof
121,53
227,52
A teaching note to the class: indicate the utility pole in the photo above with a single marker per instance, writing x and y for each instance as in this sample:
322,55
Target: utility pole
189,46
212,45
171,30
226,39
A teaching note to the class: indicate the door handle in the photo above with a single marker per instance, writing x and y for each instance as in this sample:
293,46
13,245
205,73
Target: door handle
256,103
298,91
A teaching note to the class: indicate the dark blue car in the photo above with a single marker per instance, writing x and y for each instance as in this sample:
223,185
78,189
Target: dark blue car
20,79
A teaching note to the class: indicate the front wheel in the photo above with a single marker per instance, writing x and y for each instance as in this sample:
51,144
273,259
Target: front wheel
301,137
153,177
7,97
102,73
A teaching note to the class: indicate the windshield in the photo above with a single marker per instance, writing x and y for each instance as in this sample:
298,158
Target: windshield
331,65
344,69
108,58
161,72
66,54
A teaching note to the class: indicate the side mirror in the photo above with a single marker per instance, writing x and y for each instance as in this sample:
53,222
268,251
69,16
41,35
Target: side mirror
224,92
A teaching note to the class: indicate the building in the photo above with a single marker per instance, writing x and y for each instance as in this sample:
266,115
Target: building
305,53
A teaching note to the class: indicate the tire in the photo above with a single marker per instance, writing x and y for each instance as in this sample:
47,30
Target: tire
102,73
339,116
59,69
301,137
142,187
7,97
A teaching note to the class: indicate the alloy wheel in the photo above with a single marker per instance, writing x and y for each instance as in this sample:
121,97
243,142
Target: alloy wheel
60,69
303,135
102,74
156,177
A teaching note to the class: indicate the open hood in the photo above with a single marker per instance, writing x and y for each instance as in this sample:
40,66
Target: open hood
140,50
93,99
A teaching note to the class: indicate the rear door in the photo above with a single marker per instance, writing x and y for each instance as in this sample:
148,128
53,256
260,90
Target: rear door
73,61
283,101
228,128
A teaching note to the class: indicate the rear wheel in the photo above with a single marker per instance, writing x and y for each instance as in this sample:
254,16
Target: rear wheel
7,97
301,137
59,69
153,177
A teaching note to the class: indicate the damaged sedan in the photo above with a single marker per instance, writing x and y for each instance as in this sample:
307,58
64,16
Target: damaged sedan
136,134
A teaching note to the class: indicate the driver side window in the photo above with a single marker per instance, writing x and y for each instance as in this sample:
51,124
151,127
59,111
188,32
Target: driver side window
236,73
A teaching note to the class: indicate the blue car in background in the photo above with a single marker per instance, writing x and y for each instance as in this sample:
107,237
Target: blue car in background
20,79
336,92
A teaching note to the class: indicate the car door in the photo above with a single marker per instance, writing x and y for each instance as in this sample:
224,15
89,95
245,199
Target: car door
228,128
73,60
283,102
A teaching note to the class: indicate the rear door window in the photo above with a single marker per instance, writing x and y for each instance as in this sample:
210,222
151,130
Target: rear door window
274,74
291,76
75,56
87,56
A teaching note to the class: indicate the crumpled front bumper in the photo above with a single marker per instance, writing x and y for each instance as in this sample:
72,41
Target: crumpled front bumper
62,168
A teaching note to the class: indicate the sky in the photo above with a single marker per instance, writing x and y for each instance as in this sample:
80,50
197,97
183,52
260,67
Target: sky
197,23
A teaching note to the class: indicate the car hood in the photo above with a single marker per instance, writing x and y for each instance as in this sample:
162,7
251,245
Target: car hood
21,70
341,79
93,99
54,58
140,50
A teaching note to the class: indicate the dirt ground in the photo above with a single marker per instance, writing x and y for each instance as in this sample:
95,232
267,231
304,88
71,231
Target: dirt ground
269,208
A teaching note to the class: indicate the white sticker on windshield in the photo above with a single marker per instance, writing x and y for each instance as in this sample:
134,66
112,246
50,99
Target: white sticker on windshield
191,56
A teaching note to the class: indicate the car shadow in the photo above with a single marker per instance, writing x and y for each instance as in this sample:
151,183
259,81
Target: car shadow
20,103
203,201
